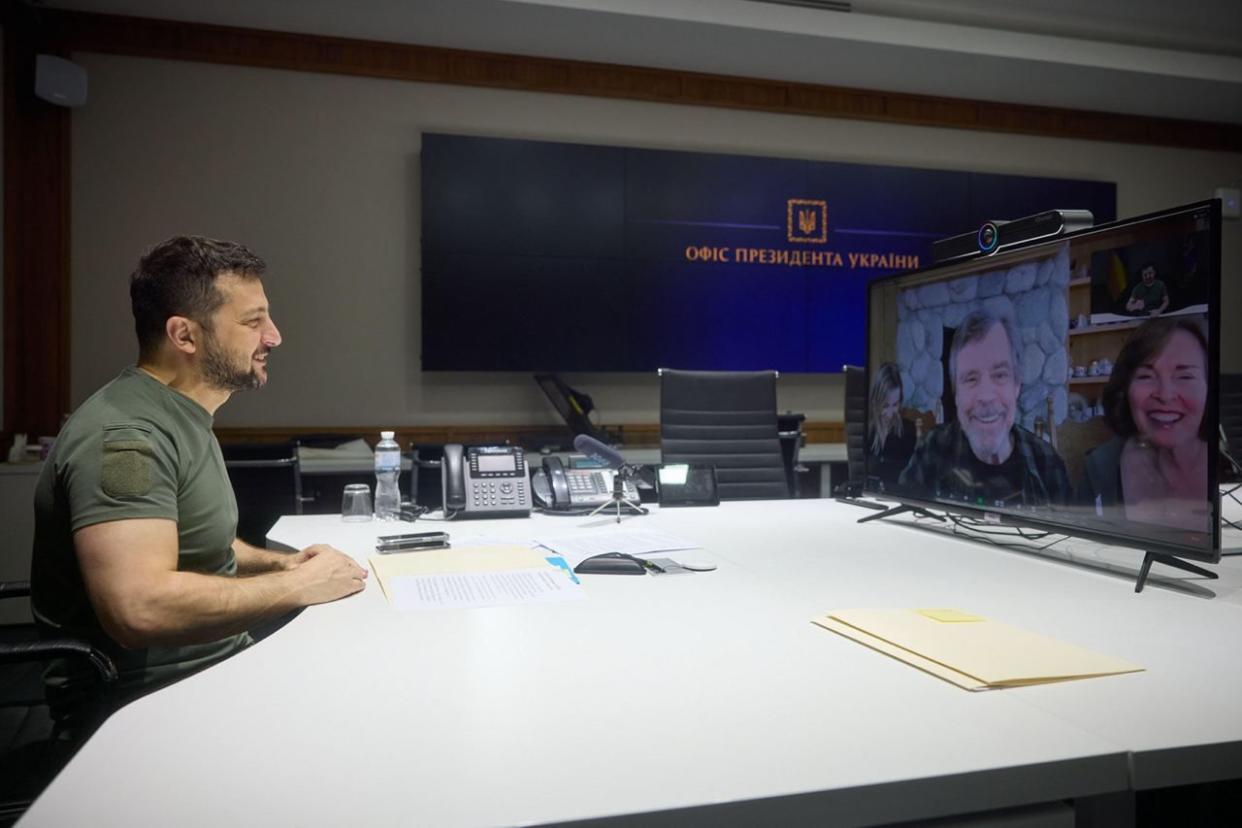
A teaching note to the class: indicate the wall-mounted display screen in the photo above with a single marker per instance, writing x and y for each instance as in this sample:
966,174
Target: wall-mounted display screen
541,256
1071,383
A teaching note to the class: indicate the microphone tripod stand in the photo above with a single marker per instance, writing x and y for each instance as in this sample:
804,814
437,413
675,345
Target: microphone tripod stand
619,500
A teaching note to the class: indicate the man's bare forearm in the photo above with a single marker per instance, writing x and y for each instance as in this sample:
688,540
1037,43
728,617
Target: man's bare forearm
251,560
142,599
193,608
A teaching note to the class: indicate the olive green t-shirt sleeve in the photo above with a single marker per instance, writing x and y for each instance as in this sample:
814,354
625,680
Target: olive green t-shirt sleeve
121,471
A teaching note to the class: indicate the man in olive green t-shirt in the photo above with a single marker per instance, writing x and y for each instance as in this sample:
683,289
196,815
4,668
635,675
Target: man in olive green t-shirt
135,521
1149,296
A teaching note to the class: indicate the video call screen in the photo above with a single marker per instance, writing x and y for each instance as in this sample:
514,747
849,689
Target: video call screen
1071,383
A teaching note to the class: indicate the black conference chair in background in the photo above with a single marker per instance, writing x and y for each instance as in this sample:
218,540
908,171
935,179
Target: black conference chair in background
726,419
267,481
30,754
789,430
855,429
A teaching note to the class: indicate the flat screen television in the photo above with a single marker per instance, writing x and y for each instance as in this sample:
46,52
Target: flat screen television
1067,384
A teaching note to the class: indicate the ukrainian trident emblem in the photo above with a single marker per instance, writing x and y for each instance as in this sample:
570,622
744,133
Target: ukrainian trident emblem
806,220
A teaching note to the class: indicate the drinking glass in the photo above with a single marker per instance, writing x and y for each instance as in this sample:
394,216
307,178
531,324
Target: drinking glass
356,503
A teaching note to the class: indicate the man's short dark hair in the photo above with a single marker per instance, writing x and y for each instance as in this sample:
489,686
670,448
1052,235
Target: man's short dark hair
1147,341
177,277
976,326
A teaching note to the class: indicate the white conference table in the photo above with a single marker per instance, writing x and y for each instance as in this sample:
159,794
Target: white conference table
707,698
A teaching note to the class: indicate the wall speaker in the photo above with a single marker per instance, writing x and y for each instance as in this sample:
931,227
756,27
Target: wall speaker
59,81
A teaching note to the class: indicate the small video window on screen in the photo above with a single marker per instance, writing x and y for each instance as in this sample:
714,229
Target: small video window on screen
1066,381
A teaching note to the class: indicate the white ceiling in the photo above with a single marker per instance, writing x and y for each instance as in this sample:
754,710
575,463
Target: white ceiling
1146,57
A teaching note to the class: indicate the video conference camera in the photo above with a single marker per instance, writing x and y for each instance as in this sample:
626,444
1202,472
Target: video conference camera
997,235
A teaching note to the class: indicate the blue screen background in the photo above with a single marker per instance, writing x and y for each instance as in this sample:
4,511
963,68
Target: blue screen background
543,256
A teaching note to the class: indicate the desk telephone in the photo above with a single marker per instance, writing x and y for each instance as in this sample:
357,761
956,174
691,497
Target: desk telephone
558,489
485,481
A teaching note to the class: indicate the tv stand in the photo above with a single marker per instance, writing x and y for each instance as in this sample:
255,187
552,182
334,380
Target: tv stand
1168,560
897,510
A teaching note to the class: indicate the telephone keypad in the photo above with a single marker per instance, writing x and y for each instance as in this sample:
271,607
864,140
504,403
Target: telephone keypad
494,481
589,484
502,493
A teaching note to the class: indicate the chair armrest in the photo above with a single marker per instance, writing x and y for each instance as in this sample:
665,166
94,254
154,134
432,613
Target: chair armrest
14,589
44,648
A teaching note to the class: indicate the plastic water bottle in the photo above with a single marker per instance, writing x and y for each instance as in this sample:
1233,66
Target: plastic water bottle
387,472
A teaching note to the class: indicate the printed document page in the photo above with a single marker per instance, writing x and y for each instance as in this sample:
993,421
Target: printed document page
482,589
477,576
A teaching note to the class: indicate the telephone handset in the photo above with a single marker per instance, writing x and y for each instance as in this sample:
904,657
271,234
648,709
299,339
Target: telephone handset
558,489
452,479
484,481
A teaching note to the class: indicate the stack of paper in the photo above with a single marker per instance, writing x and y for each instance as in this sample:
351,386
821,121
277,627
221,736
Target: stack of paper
480,576
970,651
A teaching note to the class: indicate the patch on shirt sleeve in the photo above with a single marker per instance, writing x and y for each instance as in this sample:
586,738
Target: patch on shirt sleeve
128,468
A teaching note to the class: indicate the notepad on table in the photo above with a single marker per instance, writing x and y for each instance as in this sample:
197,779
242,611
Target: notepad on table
968,650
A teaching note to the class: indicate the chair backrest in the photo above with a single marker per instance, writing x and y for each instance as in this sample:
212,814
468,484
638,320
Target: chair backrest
726,419
267,482
855,421
924,421
789,430
1076,439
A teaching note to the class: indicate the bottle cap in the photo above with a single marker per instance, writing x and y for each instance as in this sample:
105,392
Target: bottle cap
387,435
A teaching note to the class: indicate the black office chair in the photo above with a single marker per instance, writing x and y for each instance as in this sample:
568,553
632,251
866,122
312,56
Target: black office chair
30,753
1231,421
726,419
855,428
789,430
267,482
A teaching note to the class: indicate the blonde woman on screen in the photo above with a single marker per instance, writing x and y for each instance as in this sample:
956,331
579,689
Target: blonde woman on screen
890,439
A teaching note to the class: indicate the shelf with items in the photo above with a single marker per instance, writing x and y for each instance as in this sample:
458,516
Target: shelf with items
1106,329
1092,343
1078,298
1083,350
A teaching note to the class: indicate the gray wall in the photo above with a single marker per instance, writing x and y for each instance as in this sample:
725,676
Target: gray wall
319,174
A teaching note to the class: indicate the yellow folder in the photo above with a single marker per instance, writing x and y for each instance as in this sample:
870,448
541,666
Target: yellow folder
968,650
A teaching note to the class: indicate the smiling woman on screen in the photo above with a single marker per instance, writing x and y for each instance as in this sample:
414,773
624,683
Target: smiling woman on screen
1156,467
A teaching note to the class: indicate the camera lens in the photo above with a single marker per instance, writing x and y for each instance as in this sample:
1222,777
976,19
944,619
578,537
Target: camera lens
989,237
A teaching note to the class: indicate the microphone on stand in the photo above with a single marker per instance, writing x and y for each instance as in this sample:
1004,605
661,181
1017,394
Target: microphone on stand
611,458
603,453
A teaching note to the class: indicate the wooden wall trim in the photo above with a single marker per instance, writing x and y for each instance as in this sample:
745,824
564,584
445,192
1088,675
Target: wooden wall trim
313,53
36,243
633,434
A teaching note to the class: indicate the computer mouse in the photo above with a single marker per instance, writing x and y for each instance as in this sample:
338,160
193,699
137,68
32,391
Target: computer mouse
612,563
